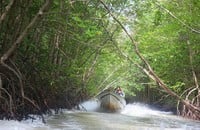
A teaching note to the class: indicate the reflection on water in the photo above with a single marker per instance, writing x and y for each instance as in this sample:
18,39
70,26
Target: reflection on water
133,117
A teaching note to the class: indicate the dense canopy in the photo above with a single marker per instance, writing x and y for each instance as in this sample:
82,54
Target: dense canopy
55,54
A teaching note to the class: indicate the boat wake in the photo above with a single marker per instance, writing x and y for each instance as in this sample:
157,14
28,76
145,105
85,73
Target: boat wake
141,110
135,116
90,105
23,125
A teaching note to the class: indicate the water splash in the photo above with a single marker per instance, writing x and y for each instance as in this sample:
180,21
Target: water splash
23,125
90,105
13,125
140,117
141,110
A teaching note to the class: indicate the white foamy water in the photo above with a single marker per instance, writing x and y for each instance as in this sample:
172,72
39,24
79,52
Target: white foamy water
14,125
91,105
134,117
26,125
138,109
29,124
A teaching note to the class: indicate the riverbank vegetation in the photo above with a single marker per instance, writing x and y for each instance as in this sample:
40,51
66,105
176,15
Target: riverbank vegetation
56,54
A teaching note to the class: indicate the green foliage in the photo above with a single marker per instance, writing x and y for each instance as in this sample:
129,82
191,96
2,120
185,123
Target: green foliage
78,49
163,40
178,87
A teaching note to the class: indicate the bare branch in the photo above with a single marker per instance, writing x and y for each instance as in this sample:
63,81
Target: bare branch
191,64
183,23
12,49
10,100
8,7
1,85
149,71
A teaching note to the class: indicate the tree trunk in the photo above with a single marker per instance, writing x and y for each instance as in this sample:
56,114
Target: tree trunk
11,71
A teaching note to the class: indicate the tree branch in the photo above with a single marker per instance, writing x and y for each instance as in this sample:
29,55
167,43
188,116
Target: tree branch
8,7
191,64
184,24
149,71
10,101
12,49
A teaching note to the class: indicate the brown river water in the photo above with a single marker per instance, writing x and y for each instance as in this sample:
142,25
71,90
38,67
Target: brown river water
134,117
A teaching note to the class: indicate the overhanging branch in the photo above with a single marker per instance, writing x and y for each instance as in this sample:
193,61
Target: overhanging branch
14,46
179,20
8,7
149,71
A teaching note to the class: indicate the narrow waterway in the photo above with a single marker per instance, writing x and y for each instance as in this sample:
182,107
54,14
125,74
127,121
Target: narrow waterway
133,117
